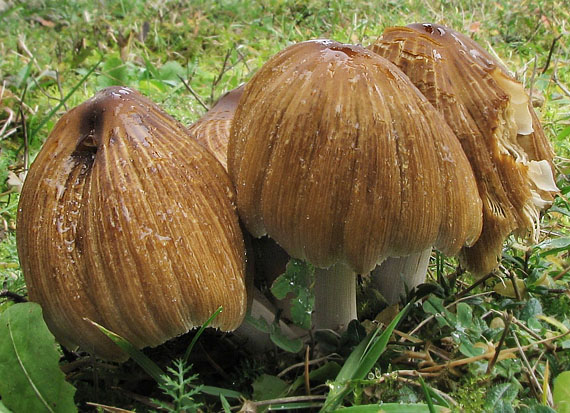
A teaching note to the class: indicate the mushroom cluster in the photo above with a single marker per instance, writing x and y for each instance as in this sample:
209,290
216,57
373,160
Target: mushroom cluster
344,156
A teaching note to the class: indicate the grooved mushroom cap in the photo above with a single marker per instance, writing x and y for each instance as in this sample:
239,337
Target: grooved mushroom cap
126,220
213,129
340,159
491,115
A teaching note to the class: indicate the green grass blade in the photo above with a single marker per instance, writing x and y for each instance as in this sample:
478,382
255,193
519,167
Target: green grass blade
427,394
219,391
294,405
225,405
360,362
351,364
143,361
62,102
199,333
376,348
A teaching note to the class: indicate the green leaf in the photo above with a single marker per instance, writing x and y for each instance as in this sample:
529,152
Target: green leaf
292,345
536,409
532,309
200,331
427,394
30,378
4,409
500,397
170,72
220,391
464,315
444,317
114,72
561,392
225,405
297,280
554,246
267,387
564,133
326,372
259,323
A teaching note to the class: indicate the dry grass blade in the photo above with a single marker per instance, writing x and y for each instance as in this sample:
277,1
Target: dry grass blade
503,354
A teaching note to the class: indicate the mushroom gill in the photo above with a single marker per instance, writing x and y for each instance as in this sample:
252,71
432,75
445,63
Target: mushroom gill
491,115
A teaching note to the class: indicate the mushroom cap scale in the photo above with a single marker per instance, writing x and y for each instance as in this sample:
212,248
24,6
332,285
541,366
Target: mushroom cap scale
340,159
126,220
492,117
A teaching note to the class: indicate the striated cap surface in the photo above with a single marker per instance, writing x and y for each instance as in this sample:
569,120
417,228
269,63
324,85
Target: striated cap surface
491,115
126,220
339,158
213,129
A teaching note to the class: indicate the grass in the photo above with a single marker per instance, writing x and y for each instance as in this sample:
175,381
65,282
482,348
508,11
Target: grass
47,50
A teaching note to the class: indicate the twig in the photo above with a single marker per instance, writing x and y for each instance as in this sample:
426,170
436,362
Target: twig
242,57
196,96
7,121
306,372
531,86
503,354
220,74
441,394
17,298
25,132
61,95
109,408
515,321
475,284
561,274
534,380
285,400
513,279
508,320
62,102
560,85
147,401
428,319
311,362
550,52
213,363
80,363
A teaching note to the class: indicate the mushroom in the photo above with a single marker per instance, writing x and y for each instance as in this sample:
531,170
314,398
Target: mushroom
343,162
213,129
491,115
125,220
266,260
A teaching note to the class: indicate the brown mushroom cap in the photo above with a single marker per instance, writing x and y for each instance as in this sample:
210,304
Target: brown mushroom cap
126,220
491,115
340,159
213,129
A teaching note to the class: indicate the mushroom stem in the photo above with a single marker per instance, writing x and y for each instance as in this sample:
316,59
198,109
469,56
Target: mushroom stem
335,297
397,274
